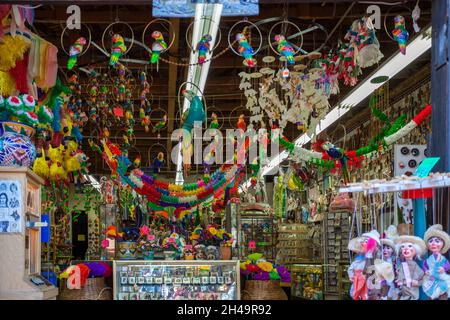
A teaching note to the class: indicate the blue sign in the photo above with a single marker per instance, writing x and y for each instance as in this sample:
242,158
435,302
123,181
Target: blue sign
186,8
45,231
425,167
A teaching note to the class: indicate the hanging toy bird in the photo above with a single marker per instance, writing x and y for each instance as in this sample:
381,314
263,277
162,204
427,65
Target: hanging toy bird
161,124
158,163
145,122
246,50
158,46
203,47
241,123
400,33
195,113
335,153
285,48
117,50
75,50
214,121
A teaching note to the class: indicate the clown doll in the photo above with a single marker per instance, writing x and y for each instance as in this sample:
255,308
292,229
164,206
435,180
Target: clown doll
436,282
362,272
388,289
410,275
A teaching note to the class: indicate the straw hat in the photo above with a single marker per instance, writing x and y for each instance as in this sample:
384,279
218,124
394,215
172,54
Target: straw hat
373,234
414,240
436,231
354,245
384,269
389,236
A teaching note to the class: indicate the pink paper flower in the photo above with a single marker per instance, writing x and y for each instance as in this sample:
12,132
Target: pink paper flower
144,230
105,243
151,237
171,240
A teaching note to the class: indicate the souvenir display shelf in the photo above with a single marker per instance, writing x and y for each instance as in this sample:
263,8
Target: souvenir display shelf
176,280
259,227
299,243
307,281
336,237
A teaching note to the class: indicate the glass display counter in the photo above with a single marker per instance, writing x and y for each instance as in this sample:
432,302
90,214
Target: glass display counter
176,280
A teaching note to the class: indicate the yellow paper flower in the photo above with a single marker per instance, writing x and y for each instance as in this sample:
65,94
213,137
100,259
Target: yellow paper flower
244,264
265,266
213,231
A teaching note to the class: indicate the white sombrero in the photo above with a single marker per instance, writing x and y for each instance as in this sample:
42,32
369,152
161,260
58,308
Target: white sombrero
414,240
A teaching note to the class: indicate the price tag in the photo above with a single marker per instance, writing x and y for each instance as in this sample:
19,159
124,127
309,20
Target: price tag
285,73
196,280
131,280
149,280
123,280
228,280
212,280
205,280
220,280
158,280
140,280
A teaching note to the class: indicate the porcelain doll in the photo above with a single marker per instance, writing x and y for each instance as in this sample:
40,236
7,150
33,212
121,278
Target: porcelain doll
410,275
388,288
362,272
436,282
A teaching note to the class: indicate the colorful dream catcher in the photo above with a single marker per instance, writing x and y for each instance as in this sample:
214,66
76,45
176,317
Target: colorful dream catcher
78,45
203,47
115,41
156,36
240,41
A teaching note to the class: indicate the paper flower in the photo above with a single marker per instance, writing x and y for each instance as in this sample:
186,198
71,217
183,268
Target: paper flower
151,237
28,102
265,266
144,230
284,274
105,243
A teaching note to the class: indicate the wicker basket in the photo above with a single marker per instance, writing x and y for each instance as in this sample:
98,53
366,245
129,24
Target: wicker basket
94,289
263,290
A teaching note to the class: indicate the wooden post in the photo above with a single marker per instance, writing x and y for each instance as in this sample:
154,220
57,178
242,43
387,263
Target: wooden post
440,99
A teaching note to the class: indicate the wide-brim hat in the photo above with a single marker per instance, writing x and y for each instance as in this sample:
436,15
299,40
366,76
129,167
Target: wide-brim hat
414,240
384,269
354,245
388,242
438,232
373,234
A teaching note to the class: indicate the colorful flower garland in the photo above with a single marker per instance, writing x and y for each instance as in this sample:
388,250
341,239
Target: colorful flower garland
393,134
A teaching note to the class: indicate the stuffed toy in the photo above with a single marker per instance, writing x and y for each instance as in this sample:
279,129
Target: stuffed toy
436,282
40,165
57,172
410,275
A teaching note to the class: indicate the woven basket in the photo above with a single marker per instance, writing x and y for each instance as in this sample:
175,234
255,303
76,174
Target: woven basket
94,289
263,290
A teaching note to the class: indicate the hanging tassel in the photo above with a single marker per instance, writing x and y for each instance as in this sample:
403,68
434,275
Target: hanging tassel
19,73
7,84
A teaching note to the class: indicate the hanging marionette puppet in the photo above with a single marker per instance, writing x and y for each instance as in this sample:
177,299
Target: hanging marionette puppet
436,282
362,272
388,288
410,275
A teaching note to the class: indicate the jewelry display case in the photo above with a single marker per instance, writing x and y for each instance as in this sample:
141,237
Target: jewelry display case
176,280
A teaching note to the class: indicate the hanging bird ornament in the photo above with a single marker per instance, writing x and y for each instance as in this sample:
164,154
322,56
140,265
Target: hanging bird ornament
400,33
161,124
246,50
117,50
285,49
75,50
203,47
214,121
195,113
158,46
158,162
